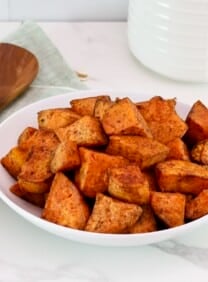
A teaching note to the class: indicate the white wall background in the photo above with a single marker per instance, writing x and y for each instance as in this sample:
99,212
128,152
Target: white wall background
63,10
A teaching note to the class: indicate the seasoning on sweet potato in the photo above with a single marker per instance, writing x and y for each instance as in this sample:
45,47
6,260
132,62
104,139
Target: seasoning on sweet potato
14,160
197,207
177,150
143,151
197,121
34,187
169,207
162,119
87,131
41,145
37,167
92,176
199,152
146,222
66,157
86,106
112,216
65,205
41,138
181,176
129,184
25,135
101,107
57,117
124,118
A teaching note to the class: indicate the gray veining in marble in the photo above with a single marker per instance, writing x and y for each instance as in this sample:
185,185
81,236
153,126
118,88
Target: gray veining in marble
10,272
195,255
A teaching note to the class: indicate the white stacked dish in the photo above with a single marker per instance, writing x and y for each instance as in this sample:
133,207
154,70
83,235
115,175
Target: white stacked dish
170,37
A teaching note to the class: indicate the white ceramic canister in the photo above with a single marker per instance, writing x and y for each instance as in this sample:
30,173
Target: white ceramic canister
170,37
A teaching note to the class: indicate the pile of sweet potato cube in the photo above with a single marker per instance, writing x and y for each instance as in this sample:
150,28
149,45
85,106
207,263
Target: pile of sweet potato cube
114,166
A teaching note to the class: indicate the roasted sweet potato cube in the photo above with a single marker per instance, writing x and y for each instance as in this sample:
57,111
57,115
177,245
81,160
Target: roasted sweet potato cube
66,157
162,119
14,160
199,152
129,184
87,131
178,150
57,117
181,176
92,177
197,121
146,222
65,205
86,106
124,118
198,206
141,150
101,107
25,135
41,148
37,167
33,198
40,138
34,187
112,216
169,207
44,139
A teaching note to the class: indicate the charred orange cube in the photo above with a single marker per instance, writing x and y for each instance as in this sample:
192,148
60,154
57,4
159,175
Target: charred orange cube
143,151
146,222
86,106
55,118
199,152
197,207
34,187
169,207
66,157
181,176
197,121
101,107
65,205
40,138
177,150
25,135
41,147
37,167
87,131
112,216
162,119
92,177
124,118
129,184
14,160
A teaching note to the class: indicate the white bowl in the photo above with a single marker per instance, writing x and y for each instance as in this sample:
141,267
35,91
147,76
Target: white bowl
170,37
13,126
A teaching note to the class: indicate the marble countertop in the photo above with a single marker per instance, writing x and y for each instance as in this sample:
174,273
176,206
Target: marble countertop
29,254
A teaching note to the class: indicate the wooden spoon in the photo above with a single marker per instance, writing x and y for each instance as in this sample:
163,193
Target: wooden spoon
18,68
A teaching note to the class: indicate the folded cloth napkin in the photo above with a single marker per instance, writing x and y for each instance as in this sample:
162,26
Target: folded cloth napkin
54,76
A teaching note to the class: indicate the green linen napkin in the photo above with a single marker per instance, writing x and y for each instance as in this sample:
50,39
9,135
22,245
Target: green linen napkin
54,76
